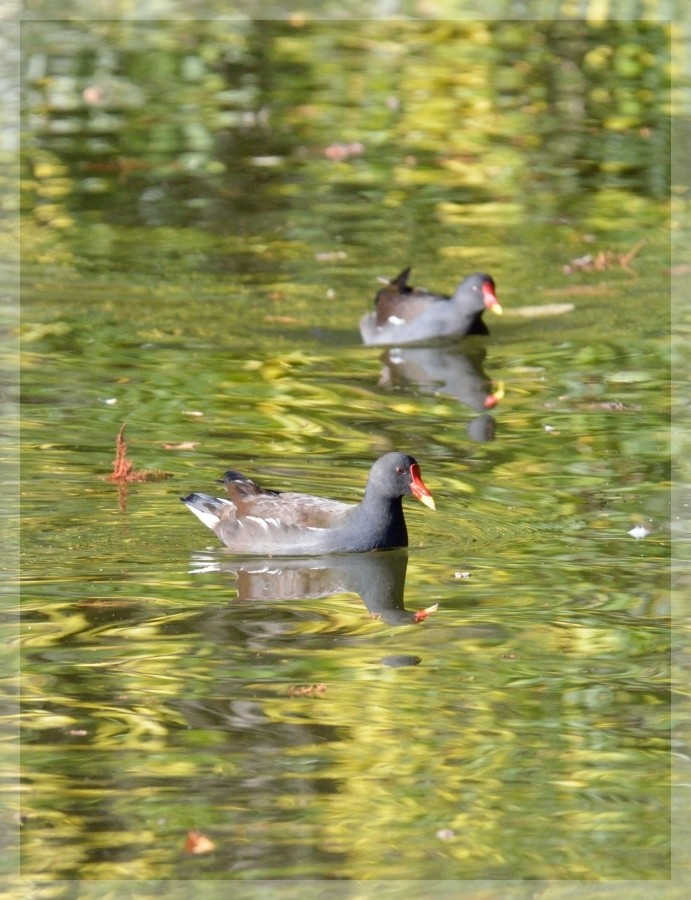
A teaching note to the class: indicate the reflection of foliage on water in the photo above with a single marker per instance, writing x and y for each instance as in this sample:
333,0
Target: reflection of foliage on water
196,122
143,724
219,198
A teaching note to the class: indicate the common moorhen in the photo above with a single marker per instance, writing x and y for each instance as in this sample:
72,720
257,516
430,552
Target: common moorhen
257,520
405,314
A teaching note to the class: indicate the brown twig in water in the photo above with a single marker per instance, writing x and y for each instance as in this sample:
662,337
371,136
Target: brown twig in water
627,257
123,468
605,259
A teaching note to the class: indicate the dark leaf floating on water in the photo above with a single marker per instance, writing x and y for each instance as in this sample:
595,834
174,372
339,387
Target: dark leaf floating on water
401,660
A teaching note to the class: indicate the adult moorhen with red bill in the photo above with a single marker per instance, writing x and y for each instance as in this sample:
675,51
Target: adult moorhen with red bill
405,314
261,521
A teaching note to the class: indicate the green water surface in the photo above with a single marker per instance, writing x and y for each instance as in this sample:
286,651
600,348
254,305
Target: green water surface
206,209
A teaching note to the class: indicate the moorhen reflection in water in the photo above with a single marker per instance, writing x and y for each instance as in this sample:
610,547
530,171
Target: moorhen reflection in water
378,578
449,371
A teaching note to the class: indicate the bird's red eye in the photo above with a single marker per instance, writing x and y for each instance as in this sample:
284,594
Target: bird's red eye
400,470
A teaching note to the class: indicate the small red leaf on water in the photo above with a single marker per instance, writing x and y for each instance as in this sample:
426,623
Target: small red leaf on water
198,843
423,613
